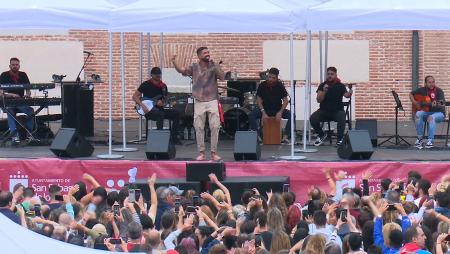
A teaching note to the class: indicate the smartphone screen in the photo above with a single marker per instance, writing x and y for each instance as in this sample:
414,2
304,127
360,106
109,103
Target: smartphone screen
344,215
115,241
131,195
285,187
116,209
137,194
190,209
59,198
257,240
37,210
195,200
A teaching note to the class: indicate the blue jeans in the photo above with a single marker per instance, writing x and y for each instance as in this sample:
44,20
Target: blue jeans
12,122
422,116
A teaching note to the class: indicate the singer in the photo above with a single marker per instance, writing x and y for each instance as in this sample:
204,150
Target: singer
204,90
156,90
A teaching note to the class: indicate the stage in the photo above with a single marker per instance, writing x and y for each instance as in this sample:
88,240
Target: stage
37,166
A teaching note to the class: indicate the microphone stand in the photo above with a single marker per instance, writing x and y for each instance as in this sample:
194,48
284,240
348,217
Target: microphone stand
78,80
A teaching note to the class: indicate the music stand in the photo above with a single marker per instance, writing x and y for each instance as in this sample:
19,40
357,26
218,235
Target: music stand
397,137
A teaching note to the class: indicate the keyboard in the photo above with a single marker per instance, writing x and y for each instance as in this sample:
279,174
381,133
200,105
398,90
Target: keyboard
36,86
39,101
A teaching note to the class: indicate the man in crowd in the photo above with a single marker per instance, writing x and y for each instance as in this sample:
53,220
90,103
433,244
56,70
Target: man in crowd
429,101
414,241
14,76
272,99
155,90
204,74
329,95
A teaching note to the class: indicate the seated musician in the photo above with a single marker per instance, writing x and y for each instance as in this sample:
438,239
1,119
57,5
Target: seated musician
430,102
329,95
14,76
272,100
156,90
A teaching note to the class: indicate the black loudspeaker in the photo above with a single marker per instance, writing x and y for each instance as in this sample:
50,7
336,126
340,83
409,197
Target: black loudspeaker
181,183
246,146
199,171
243,86
159,145
237,185
371,125
77,108
356,146
68,143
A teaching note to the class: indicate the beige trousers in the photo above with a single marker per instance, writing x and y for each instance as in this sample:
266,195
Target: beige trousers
201,110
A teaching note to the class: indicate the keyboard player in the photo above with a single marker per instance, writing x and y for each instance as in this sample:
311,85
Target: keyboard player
14,76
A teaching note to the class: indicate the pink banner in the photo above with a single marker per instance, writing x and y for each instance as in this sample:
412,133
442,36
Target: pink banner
41,173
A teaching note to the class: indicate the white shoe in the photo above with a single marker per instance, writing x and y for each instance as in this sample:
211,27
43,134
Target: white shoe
320,140
429,144
419,143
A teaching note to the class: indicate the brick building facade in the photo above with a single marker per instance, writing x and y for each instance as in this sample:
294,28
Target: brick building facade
390,62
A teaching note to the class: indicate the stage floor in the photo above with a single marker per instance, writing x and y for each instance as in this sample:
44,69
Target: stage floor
188,151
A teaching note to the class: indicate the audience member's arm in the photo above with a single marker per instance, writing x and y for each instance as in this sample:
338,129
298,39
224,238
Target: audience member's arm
87,177
439,216
207,196
116,232
439,241
23,220
187,225
406,223
378,232
134,214
206,219
225,190
68,205
330,180
153,197
16,196
366,175
297,247
87,198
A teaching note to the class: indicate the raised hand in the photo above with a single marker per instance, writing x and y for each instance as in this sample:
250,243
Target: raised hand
152,180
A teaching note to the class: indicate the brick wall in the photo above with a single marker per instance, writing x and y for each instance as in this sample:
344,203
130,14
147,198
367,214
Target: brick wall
389,67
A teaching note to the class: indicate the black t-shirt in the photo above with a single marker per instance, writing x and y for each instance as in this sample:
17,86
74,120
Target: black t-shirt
272,96
5,78
333,98
438,96
152,91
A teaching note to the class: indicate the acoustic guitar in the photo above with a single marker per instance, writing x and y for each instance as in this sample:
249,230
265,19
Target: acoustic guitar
425,103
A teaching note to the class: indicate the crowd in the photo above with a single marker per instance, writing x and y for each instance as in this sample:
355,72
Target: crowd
411,216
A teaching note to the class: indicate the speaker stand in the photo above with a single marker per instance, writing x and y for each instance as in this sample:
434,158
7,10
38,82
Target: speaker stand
110,156
125,149
306,150
292,158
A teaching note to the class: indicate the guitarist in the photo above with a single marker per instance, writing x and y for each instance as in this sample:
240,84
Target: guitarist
430,102
156,90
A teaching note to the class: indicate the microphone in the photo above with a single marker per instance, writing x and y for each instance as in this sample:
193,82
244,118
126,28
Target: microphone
87,52
220,62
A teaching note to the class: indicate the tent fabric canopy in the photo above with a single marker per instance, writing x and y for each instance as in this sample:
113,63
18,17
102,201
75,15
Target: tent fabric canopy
379,15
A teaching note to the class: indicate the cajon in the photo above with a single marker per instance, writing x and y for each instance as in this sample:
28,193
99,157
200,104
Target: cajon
271,131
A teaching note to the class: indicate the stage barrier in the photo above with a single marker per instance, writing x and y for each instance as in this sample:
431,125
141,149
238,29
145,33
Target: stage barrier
41,173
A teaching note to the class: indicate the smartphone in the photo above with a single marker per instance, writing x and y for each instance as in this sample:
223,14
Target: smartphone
177,206
257,240
401,186
391,207
137,194
344,215
59,198
116,209
196,200
115,241
30,213
191,209
132,195
286,187
37,210
255,197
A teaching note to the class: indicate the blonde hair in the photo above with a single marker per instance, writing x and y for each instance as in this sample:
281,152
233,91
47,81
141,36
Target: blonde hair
275,221
219,195
280,241
316,244
387,229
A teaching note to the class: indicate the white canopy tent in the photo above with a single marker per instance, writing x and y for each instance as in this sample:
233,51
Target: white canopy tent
379,15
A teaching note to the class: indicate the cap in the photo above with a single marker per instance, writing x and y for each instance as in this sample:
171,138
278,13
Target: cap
175,190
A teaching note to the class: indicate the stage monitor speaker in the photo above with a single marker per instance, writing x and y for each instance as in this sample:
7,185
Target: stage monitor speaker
243,86
356,146
69,143
246,146
237,185
77,107
199,171
159,145
371,125
180,183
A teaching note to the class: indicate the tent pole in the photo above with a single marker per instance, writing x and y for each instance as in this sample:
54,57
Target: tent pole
124,147
161,51
307,97
326,54
110,155
321,56
291,71
141,62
